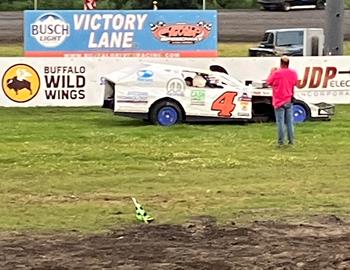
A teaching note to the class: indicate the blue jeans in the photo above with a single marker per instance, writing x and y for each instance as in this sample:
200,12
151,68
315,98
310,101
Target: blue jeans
284,117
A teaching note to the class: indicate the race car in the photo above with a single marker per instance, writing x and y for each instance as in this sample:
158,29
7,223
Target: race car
168,94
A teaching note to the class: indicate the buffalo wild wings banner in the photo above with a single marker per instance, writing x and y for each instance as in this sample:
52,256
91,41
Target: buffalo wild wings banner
27,82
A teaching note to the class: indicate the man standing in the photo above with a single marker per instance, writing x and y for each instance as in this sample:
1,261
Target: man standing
283,81
89,4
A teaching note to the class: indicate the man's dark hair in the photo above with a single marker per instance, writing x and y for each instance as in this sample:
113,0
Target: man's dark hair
284,61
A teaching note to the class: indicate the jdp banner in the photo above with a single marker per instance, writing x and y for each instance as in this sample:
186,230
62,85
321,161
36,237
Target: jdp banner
139,33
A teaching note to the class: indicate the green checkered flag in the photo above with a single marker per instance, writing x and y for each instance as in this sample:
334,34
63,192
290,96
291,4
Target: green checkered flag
141,213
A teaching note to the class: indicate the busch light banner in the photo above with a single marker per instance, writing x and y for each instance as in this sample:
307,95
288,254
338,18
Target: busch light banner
138,33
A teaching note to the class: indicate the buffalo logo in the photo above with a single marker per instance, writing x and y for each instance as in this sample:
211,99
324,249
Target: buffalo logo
20,83
181,33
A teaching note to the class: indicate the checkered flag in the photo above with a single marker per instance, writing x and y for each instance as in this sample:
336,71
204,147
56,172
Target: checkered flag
89,4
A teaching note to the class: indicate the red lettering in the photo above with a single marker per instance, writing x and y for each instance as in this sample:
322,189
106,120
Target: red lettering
316,76
330,74
302,83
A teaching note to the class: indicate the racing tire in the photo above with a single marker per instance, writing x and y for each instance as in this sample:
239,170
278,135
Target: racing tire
286,6
301,112
166,113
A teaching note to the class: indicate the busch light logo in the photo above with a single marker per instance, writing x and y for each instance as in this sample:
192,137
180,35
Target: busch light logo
50,30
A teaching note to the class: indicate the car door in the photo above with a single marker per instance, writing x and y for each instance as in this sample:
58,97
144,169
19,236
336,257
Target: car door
218,99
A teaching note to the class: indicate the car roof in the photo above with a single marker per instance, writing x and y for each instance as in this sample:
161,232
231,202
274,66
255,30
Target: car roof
177,67
290,29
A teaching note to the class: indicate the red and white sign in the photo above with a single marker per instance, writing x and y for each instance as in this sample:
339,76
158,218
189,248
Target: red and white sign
89,4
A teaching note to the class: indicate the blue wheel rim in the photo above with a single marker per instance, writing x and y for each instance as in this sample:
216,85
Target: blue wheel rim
299,113
167,116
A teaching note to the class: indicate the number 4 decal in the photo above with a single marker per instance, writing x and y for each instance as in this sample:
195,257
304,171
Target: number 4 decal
224,104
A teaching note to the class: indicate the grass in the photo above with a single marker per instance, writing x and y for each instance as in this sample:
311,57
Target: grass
229,49
76,169
9,50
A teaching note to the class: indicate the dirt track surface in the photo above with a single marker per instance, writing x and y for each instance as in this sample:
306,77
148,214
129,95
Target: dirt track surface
199,244
233,26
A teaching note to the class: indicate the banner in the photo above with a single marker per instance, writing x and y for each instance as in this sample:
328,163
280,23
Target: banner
27,82
140,33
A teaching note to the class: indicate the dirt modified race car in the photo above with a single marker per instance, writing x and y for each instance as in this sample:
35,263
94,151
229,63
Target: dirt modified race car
167,94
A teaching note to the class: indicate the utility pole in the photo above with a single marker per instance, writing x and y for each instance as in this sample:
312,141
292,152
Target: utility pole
334,27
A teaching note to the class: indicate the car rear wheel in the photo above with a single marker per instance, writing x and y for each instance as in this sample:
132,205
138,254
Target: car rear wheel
301,112
166,113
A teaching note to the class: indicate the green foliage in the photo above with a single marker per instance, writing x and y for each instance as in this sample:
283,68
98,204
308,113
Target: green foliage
77,168
132,4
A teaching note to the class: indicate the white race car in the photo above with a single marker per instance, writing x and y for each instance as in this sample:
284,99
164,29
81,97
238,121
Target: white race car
167,94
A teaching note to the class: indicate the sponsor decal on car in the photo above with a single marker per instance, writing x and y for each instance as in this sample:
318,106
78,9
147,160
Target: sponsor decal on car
243,114
244,101
181,33
198,97
145,75
133,97
176,87
21,83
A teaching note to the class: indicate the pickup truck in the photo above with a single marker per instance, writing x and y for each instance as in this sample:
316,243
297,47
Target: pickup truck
287,5
291,42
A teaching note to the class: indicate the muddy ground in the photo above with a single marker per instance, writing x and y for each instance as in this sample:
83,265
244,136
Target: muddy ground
199,244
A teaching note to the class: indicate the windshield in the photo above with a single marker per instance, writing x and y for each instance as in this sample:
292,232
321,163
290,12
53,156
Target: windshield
268,38
290,38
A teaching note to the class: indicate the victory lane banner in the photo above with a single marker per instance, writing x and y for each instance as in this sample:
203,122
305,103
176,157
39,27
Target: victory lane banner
138,33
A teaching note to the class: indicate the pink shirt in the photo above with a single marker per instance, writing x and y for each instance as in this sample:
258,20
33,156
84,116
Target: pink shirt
282,81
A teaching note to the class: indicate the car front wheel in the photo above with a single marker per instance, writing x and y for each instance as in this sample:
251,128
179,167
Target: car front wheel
301,112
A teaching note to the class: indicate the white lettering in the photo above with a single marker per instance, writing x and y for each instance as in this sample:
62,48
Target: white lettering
128,38
92,43
94,24
113,40
87,20
107,21
104,40
107,18
78,21
130,22
117,22
141,20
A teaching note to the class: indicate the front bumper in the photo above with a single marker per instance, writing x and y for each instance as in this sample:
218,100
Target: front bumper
325,109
